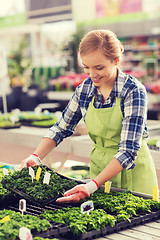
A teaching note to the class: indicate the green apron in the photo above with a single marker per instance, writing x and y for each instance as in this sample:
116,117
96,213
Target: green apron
104,128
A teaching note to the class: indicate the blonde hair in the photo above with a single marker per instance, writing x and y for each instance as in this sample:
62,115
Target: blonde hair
104,40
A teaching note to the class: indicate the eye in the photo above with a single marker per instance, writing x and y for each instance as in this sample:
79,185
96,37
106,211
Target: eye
99,68
85,67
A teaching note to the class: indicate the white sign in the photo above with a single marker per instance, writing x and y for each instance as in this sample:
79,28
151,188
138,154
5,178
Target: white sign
22,206
46,177
25,233
86,207
5,171
31,173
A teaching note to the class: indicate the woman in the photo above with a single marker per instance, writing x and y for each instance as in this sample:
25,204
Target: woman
114,108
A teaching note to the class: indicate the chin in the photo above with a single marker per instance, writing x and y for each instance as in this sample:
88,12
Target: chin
96,84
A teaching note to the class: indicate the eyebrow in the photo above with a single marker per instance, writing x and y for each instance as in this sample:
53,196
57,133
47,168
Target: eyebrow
99,65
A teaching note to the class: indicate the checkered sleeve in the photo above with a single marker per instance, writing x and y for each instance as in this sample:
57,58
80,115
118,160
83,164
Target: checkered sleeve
67,123
133,125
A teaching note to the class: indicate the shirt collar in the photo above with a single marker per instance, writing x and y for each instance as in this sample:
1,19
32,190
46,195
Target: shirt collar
93,89
119,83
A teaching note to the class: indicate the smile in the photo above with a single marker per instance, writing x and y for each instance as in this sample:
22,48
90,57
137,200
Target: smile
96,80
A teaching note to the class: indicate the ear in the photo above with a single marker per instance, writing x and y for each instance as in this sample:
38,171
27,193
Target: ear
117,61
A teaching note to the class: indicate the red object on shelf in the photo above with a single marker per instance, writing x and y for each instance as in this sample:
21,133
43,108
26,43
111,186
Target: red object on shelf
154,87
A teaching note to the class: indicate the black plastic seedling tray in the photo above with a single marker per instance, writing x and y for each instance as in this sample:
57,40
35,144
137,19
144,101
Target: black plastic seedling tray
12,199
10,127
63,231
60,230
31,199
40,202
56,230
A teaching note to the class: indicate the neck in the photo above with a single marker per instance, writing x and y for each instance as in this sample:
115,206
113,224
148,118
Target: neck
106,88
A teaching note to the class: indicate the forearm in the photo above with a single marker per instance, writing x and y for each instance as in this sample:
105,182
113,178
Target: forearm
45,147
82,191
111,170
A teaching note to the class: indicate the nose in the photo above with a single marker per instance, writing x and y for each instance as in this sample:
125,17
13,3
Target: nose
92,73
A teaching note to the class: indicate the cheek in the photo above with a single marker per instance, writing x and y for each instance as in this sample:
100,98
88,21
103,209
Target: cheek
86,71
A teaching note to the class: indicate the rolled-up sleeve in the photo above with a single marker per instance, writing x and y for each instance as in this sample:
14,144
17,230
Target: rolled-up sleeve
133,124
66,125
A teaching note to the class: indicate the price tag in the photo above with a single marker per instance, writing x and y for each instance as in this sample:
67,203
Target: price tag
46,177
37,110
25,233
5,219
13,119
31,173
155,193
158,143
86,207
5,171
22,206
108,186
38,173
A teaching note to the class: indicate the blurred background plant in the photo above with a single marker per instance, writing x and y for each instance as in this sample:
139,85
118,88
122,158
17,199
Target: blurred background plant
19,65
72,46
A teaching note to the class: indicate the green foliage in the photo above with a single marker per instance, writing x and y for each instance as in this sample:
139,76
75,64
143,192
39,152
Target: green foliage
4,193
18,62
152,142
22,181
78,222
8,123
44,123
10,230
31,115
73,45
123,204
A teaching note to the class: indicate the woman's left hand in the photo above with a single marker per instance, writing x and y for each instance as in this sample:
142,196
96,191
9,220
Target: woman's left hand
78,193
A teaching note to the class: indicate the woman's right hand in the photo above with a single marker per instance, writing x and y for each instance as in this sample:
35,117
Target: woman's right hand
32,160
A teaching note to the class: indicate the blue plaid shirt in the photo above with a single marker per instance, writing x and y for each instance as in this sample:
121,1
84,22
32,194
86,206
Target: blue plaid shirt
133,106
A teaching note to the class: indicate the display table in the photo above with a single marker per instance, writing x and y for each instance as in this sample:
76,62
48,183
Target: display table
30,137
148,231
78,145
59,95
153,128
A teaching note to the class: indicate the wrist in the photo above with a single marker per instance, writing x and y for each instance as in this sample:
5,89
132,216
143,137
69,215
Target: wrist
92,186
96,183
36,158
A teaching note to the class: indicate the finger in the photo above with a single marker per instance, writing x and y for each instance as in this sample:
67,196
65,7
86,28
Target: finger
72,198
73,190
31,163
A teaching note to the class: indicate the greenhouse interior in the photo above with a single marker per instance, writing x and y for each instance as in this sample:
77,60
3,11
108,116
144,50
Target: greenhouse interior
80,119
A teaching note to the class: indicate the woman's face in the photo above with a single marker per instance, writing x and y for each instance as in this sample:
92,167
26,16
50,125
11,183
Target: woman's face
101,69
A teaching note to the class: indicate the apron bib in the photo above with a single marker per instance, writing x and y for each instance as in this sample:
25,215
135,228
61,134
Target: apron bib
104,128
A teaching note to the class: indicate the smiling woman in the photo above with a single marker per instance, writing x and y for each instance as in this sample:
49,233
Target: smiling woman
114,107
